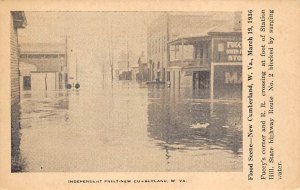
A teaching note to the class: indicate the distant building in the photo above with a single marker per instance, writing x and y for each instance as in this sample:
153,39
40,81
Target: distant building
143,69
125,61
125,75
134,72
43,66
124,65
168,28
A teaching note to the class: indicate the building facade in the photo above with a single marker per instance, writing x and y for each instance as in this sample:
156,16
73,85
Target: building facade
18,21
211,61
134,72
43,66
143,69
169,27
203,52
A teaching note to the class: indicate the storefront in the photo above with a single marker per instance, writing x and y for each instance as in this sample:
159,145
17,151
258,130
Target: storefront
226,66
201,79
189,62
214,65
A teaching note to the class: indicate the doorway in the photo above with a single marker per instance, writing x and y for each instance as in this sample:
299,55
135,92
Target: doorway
201,80
26,83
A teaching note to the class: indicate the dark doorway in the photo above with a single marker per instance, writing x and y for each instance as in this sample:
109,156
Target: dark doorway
26,83
201,79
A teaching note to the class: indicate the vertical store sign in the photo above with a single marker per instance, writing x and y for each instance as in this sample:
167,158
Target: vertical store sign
227,63
227,50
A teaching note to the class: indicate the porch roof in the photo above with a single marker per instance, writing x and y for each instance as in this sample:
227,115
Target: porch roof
196,68
189,40
189,68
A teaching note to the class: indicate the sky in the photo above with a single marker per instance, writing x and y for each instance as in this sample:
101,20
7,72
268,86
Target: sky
90,34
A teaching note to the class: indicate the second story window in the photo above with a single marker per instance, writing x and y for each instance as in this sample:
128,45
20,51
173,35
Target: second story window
164,44
174,52
199,52
156,46
159,44
152,47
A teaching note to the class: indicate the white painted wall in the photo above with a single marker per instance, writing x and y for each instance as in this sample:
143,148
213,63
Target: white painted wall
39,81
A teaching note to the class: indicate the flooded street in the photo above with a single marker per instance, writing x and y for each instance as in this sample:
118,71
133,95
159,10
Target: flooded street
126,127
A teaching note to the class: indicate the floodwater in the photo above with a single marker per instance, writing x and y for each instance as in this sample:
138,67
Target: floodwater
127,127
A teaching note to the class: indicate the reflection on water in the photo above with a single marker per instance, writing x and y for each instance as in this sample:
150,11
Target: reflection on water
128,128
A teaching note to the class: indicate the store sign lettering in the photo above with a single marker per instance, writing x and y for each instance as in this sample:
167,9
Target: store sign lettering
234,51
233,78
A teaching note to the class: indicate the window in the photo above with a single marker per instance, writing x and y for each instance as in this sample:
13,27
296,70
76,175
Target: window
199,52
174,52
164,44
158,45
26,83
152,47
177,51
168,76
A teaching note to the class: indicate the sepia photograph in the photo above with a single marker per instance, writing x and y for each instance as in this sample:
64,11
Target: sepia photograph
131,91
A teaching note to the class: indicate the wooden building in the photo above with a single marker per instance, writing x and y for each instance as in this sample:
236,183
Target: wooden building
18,20
210,61
49,66
171,26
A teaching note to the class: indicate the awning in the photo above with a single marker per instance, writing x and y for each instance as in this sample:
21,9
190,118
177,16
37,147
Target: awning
195,68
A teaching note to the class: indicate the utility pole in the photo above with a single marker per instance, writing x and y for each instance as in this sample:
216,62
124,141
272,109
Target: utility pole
111,54
76,70
127,52
63,77
66,50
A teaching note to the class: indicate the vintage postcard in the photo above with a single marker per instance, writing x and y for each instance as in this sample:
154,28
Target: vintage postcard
149,95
